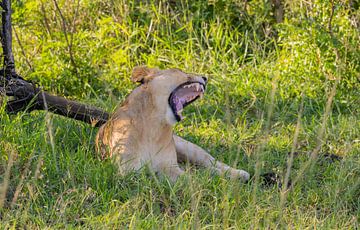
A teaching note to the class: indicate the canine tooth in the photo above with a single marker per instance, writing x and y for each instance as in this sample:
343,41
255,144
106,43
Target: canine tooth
197,87
202,88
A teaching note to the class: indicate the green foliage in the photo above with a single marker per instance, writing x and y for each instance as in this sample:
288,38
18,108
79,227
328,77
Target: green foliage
87,49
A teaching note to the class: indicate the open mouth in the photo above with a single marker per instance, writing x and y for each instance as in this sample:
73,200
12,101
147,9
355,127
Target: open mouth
184,95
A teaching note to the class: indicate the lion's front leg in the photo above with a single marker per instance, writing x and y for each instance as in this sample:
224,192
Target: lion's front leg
187,151
165,161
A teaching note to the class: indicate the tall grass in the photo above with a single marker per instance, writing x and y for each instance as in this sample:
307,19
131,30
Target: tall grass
281,98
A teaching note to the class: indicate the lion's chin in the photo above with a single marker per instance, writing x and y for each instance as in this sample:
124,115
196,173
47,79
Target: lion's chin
184,95
170,117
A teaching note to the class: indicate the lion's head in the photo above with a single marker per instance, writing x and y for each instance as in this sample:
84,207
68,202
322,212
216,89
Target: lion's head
173,88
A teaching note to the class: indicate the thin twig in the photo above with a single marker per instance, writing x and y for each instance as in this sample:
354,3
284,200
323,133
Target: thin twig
22,49
331,18
68,43
46,21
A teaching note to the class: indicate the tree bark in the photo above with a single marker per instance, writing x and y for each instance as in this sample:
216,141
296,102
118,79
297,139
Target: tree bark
72,109
27,97
9,63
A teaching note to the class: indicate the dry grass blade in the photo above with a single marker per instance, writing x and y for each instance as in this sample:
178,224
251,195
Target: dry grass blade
6,180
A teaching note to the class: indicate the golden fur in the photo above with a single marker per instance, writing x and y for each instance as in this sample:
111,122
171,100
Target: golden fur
140,132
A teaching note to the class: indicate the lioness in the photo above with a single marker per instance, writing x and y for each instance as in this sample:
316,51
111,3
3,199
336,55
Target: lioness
140,132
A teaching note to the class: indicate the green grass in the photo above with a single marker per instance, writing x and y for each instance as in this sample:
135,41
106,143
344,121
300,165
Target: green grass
259,71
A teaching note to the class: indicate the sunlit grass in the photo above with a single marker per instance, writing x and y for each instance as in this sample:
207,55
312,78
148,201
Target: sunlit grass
259,75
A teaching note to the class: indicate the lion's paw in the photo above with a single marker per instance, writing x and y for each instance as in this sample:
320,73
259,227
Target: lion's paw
243,175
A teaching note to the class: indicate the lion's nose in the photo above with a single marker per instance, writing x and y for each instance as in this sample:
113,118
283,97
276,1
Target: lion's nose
205,79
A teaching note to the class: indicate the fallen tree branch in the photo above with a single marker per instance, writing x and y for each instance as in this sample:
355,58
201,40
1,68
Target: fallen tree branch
72,109
27,97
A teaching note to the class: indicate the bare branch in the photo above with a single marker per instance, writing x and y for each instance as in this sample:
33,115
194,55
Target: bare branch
46,20
22,49
69,43
27,97
331,18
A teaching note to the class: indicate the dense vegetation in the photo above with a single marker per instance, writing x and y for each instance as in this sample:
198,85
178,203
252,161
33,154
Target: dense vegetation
276,87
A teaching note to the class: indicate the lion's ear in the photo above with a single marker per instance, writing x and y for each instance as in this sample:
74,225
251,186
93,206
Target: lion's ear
143,74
